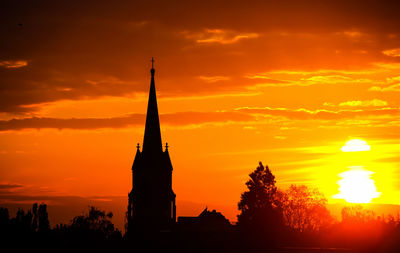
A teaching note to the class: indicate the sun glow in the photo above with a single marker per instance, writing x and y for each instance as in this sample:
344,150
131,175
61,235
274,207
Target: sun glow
356,145
356,186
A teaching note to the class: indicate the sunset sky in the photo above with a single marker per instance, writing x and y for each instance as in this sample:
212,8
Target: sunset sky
287,83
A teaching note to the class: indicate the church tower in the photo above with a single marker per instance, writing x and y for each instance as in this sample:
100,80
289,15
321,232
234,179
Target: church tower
151,201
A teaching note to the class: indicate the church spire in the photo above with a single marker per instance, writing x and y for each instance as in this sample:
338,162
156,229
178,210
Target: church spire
152,132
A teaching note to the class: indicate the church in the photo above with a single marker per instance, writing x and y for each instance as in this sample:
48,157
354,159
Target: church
151,204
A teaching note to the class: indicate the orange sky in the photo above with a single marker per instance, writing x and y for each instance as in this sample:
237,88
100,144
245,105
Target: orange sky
282,82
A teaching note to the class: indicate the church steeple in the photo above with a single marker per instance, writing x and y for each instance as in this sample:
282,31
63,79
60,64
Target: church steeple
151,202
152,133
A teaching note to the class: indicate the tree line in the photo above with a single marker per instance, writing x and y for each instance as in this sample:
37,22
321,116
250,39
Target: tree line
93,230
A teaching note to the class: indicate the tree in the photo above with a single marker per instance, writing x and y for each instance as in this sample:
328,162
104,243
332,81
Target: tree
4,216
23,221
43,218
304,209
35,216
95,222
4,221
260,213
357,215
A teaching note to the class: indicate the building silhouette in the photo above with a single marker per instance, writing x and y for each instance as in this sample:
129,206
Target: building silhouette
151,201
206,221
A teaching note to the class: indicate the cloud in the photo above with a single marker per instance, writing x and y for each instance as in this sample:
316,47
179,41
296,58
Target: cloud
328,104
26,198
219,36
213,79
333,79
393,79
27,87
365,103
172,119
82,123
392,52
351,34
7,186
394,87
314,80
322,72
359,103
307,78
13,64
239,115
305,114
267,80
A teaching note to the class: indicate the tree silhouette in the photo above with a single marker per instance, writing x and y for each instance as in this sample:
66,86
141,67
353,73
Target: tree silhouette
304,209
23,221
4,216
357,215
35,216
95,224
4,222
43,218
260,216
93,230
33,220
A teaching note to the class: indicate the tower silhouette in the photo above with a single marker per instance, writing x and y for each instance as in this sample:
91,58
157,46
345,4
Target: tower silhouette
151,201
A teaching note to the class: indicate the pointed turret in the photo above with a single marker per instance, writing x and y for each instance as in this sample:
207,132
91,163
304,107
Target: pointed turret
152,133
137,156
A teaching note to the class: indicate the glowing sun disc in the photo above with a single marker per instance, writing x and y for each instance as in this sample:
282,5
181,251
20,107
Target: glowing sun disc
355,145
356,186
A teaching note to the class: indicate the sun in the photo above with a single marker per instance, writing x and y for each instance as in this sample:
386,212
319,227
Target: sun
356,145
356,186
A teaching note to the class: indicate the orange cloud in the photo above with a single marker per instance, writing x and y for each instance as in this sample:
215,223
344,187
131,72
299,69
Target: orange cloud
208,36
392,52
394,87
174,119
305,114
13,64
333,79
321,72
365,103
213,79
359,103
239,115
322,76
8,186
351,34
